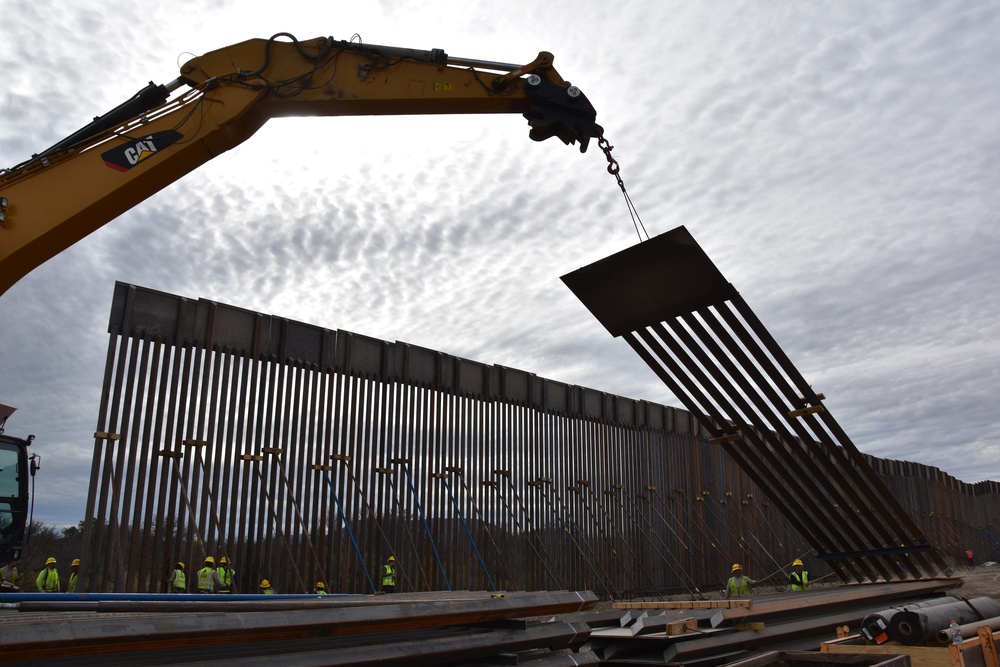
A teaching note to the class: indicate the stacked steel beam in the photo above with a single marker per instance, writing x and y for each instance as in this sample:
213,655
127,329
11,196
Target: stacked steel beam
317,631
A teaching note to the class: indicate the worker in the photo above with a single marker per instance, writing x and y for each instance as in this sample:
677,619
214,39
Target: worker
389,575
738,585
75,569
265,588
224,577
970,558
48,579
177,583
320,588
798,578
9,573
206,576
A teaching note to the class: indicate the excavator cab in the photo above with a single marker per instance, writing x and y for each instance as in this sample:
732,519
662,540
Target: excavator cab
15,469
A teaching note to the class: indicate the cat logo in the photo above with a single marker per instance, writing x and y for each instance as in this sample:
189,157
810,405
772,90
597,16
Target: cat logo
128,155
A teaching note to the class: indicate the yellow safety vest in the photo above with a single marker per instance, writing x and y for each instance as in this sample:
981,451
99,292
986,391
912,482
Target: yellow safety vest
388,575
71,584
738,588
48,581
205,579
179,581
225,579
9,575
798,582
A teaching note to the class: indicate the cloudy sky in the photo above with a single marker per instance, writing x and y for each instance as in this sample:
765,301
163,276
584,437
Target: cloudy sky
837,160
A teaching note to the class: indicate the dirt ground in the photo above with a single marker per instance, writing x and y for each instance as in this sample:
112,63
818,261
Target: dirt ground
981,581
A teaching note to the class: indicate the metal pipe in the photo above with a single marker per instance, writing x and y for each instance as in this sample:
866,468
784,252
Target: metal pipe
913,626
482,64
969,630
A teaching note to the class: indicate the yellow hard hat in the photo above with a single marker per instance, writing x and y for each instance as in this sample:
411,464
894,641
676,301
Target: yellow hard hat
223,560
320,585
50,561
265,584
736,566
180,564
76,561
209,560
391,559
796,562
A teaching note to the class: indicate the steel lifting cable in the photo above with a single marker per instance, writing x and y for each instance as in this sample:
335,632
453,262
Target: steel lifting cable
364,501
607,539
614,169
985,539
768,527
747,521
613,493
116,542
420,511
949,531
298,514
965,528
705,500
212,514
782,569
698,522
531,532
690,521
736,525
994,538
648,525
963,543
547,483
390,475
350,533
484,522
722,516
933,531
444,478
682,541
762,530
526,536
740,543
681,572
277,525
187,499
645,529
590,561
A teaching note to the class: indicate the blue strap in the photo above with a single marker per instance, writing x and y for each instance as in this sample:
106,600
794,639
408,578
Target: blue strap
468,532
427,528
347,525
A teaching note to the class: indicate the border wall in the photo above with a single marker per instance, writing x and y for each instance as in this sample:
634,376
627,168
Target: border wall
305,454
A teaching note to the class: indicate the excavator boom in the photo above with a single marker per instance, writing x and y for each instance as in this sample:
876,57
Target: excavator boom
222,98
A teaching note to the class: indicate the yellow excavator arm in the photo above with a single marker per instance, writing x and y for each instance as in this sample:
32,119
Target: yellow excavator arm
61,195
